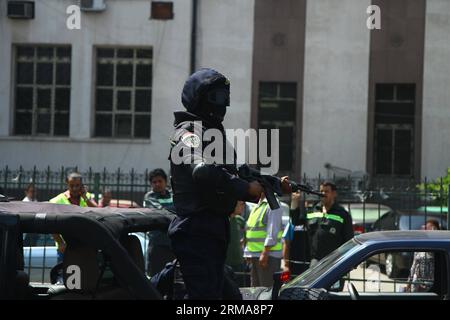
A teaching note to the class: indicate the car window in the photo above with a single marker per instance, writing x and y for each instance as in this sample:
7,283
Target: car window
37,240
410,222
416,222
393,272
39,256
108,277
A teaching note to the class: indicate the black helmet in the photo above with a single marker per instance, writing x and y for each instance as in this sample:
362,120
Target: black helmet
207,94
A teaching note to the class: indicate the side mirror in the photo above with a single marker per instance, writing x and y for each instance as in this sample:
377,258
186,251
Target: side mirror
336,286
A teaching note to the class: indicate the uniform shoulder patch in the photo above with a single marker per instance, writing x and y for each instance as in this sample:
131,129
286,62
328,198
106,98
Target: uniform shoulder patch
191,139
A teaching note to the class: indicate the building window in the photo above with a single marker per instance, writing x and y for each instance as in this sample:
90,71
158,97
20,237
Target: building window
42,90
394,129
162,10
277,106
123,92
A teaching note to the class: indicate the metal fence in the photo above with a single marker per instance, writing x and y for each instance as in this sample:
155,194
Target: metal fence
367,199
130,186
397,193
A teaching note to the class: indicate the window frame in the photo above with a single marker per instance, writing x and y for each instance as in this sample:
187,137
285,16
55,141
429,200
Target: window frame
36,268
394,127
52,111
277,124
133,88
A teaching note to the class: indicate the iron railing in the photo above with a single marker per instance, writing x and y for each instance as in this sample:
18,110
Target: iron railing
366,199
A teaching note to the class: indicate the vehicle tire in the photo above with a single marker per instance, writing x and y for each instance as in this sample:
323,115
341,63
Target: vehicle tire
392,270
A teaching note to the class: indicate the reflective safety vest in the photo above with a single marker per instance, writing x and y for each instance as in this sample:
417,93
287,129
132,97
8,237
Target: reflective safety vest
62,199
328,216
165,200
256,231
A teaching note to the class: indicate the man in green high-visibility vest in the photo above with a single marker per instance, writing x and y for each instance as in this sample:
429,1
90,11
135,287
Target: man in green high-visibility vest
76,194
263,243
329,228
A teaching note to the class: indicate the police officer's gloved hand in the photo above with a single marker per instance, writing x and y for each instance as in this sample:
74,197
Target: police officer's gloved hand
286,187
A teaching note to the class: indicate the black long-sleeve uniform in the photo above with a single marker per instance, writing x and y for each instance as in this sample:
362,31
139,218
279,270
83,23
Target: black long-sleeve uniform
204,201
326,232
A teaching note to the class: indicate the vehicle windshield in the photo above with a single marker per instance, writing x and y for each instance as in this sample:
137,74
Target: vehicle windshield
324,265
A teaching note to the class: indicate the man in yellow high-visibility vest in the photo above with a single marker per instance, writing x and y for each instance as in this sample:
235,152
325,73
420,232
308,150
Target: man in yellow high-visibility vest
263,243
75,194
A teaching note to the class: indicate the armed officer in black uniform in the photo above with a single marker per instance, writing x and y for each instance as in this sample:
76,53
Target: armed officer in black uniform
204,192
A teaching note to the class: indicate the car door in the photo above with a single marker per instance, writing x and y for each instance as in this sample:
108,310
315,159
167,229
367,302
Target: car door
427,279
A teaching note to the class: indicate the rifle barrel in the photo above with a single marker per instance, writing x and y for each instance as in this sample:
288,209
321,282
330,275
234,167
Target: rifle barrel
300,187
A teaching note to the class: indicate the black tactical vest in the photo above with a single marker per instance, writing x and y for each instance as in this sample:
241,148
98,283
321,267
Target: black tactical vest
188,197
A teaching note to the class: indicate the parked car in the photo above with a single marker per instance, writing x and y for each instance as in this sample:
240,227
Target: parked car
397,264
346,274
365,214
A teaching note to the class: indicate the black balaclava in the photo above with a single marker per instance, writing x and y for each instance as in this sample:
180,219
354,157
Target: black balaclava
207,94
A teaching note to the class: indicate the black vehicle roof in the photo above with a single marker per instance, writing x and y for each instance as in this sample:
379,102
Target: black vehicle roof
45,217
410,236
101,228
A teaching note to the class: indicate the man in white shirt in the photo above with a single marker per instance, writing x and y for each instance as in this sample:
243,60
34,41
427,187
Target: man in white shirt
263,243
30,193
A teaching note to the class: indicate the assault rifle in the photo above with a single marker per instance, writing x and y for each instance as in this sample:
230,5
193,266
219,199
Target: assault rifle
272,185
